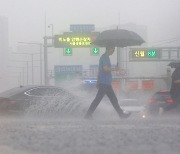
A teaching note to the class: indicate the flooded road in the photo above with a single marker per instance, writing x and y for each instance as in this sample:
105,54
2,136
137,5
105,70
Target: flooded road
24,135
55,125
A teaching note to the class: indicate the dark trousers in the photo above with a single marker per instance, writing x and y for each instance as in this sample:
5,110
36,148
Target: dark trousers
104,90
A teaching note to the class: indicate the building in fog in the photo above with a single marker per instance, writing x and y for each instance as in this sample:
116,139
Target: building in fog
3,51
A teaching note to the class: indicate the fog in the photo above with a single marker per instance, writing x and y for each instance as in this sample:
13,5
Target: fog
26,18
28,21
55,124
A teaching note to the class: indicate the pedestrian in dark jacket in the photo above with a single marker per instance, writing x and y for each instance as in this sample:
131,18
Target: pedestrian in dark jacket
175,89
104,85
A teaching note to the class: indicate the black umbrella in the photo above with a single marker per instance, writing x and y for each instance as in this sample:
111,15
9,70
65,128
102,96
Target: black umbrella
118,38
174,64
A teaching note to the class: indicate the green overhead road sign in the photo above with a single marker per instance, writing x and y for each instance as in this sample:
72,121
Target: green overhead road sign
144,54
154,54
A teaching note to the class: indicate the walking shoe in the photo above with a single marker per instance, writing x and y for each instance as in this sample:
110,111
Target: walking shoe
125,115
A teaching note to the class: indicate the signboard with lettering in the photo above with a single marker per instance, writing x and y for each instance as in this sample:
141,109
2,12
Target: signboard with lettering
67,72
75,39
144,54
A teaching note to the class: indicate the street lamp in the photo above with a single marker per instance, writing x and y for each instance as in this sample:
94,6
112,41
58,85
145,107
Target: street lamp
40,50
52,33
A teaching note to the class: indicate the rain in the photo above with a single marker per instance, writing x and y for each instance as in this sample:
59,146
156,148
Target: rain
49,57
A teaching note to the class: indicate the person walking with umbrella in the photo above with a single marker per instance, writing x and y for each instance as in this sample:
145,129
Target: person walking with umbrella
111,39
104,85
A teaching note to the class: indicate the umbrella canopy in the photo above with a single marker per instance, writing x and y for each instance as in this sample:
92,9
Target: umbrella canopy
174,64
118,38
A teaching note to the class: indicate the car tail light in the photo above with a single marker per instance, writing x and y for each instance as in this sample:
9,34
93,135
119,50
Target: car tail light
169,101
151,100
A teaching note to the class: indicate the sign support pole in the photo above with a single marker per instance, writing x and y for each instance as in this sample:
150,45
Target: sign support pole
46,79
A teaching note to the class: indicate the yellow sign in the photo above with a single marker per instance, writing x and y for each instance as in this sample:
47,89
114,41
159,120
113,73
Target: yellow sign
140,53
75,39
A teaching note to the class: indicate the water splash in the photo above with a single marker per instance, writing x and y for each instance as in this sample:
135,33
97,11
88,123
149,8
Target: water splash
53,101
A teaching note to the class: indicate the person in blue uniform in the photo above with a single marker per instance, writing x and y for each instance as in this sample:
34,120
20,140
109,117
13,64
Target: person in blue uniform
104,85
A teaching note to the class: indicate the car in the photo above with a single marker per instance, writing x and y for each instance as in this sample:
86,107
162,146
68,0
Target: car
5,104
158,101
134,106
42,100
88,84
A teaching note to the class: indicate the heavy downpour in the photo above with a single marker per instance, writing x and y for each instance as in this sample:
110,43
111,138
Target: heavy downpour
89,77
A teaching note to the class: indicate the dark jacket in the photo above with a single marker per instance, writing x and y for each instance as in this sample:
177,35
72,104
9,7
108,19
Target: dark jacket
175,87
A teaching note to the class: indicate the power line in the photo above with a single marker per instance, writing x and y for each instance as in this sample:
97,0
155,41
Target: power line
166,41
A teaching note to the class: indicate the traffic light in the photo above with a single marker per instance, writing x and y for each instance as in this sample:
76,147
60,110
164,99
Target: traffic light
95,51
68,51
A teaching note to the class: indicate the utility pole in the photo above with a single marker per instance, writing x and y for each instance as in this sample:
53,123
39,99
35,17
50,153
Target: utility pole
20,74
32,55
27,72
40,57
